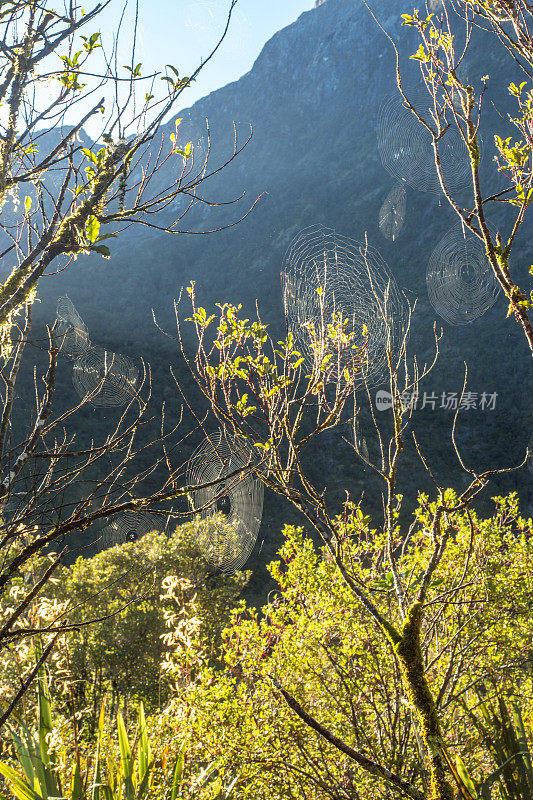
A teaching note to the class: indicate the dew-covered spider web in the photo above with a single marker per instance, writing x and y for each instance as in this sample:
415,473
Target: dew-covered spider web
129,526
460,282
232,509
71,333
406,150
325,274
392,212
107,378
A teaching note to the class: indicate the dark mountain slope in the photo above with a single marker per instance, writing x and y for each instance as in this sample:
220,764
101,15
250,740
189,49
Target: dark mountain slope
312,98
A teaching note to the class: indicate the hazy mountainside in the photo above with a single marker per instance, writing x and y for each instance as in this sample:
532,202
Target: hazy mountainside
312,98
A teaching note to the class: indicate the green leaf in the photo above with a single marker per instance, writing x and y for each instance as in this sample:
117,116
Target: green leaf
420,54
93,228
97,768
25,750
103,249
45,712
21,789
174,70
27,204
143,785
178,774
90,155
126,759
145,755
91,43
77,785
484,790
521,736
46,777
465,779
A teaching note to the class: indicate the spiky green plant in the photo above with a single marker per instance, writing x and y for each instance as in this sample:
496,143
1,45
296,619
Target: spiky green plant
503,731
129,778
38,779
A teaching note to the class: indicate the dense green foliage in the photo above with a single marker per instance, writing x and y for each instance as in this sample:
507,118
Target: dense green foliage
120,602
314,639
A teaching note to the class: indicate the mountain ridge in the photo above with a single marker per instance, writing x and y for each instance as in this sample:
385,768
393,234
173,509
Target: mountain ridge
312,96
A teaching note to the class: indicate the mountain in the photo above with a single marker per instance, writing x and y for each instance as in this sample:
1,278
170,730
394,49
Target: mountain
313,98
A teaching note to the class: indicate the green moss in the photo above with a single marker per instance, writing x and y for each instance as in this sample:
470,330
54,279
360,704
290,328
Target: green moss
409,652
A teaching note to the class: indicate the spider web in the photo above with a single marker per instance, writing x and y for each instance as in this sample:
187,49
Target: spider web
232,508
405,146
71,333
460,282
326,274
128,526
111,376
392,212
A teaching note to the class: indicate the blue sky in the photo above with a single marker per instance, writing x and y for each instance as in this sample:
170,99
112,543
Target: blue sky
180,32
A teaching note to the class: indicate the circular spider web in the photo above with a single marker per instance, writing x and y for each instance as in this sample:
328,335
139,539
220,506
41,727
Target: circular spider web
128,527
406,150
460,282
112,377
392,212
71,333
231,510
326,274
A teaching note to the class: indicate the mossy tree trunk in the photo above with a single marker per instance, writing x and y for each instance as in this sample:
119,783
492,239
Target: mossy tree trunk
409,651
